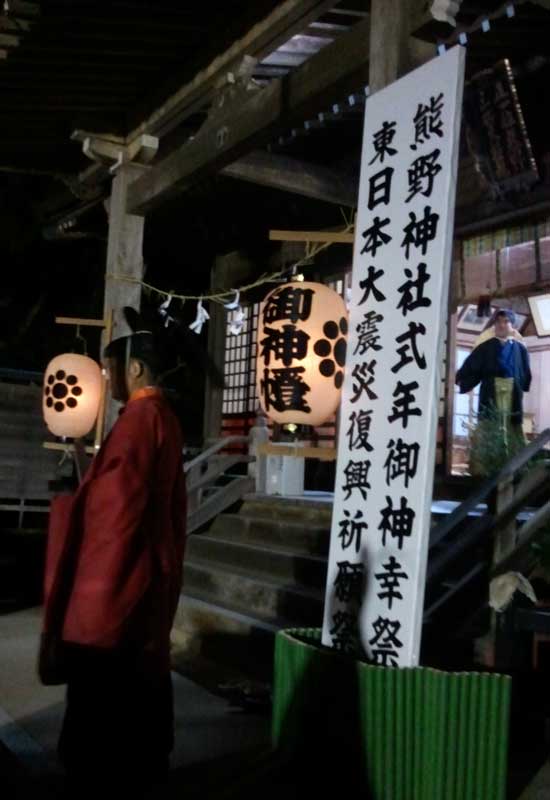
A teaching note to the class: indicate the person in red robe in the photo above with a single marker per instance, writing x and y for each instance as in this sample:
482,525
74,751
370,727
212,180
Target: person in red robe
126,524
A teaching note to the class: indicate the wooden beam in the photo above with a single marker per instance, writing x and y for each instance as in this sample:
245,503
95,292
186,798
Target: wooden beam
91,323
293,175
335,72
287,19
312,236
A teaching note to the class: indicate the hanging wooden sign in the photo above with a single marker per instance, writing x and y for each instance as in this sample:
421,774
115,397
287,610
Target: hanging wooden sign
387,439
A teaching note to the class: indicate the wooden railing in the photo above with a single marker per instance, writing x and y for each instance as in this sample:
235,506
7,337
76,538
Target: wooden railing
480,495
492,511
205,498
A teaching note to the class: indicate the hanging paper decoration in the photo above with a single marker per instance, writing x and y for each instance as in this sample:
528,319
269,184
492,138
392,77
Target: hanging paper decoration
200,319
238,317
164,311
71,396
237,322
301,353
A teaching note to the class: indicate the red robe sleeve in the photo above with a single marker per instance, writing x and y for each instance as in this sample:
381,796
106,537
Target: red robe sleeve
115,560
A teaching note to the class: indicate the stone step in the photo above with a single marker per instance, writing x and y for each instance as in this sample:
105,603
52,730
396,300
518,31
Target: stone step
295,536
305,510
277,562
226,635
238,589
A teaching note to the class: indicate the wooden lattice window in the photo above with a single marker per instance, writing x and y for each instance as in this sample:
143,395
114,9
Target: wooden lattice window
239,396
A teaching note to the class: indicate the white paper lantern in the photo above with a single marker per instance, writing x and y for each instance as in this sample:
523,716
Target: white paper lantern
71,396
302,334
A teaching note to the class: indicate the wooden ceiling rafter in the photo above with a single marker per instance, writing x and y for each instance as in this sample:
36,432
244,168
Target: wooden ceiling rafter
333,72
286,19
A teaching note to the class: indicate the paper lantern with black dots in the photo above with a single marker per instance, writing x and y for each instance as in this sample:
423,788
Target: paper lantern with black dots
71,396
302,334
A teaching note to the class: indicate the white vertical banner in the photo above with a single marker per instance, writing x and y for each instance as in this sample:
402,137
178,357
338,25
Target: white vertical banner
387,441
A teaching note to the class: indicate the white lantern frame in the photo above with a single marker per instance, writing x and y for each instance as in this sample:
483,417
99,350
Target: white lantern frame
72,395
302,339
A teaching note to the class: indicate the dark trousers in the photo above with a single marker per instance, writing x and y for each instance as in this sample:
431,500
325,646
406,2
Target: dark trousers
118,729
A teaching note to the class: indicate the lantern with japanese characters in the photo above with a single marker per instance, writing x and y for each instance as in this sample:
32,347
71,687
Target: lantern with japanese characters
72,394
302,333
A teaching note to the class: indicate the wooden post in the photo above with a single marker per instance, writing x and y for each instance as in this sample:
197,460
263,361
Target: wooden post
124,260
505,537
393,52
124,252
450,370
100,424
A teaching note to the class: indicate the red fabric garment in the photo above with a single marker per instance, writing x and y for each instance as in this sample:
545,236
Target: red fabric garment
127,526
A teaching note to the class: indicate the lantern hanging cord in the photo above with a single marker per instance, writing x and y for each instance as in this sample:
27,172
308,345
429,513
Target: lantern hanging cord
82,339
222,296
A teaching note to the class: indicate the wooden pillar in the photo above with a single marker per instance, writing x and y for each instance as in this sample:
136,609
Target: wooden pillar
393,52
450,373
389,35
124,251
506,536
124,259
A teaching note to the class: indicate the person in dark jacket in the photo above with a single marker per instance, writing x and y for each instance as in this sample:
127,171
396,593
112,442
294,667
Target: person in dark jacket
501,366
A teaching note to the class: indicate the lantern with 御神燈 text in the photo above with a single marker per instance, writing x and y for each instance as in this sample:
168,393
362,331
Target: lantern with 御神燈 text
302,333
71,395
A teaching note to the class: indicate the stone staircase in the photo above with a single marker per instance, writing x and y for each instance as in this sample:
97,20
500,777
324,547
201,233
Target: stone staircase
264,568
251,574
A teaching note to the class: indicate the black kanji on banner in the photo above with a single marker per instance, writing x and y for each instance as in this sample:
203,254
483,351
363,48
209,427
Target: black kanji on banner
344,632
402,407
363,378
420,232
382,140
390,581
286,344
408,351
285,389
368,285
357,474
402,460
427,121
349,582
397,522
422,174
386,651
289,302
368,335
351,530
412,291
380,188
375,236
359,430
